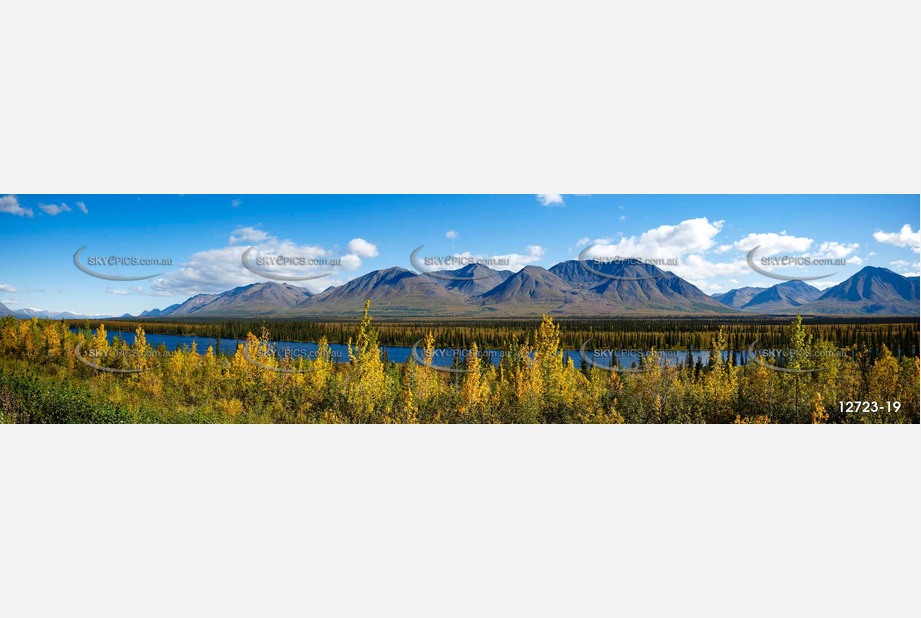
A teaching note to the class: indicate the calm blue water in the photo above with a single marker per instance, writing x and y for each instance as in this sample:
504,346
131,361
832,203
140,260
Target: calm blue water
444,357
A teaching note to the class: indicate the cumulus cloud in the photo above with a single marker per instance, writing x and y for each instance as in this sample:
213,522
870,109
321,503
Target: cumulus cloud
5,287
220,269
699,270
665,241
550,199
10,205
904,267
905,237
118,292
770,244
54,210
247,234
450,234
837,251
83,208
506,261
362,248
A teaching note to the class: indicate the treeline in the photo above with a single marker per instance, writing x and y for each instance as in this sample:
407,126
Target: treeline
46,376
899,335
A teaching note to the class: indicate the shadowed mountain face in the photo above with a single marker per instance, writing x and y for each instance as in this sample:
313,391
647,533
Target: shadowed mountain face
784,297
392,291
471,280
738,298
633,288
531,284
397,292
255,299
153,313
567,289
4,310
872,291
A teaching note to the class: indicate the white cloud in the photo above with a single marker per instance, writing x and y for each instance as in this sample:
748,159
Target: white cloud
622,218
698,270
905,268
836,250
221,269
248,234
11,301
905,237
234,203
54,210
5,287
83,208
362,248
665,241
10,205
584,241
134,289
550,199
450,234
770,244
506,261
517,261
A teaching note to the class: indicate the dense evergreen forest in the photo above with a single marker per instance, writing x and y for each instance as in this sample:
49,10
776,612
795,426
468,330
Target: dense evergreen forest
900,335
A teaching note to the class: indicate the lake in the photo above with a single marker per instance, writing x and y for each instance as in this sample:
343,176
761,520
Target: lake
444,357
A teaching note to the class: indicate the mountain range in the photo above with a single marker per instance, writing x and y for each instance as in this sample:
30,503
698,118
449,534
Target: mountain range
27,313
872,291
784,297
566,289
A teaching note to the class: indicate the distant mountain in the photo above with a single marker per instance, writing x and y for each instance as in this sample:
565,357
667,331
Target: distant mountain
533,288
392,292
4,310
786,297
738,298
27,313
155,313
471,280
250,300
872,291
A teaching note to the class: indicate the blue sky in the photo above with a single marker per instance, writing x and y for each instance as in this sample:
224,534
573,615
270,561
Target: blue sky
205,235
